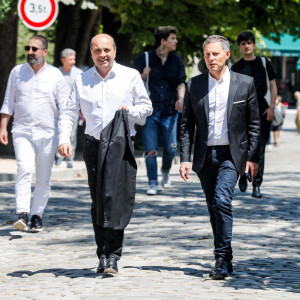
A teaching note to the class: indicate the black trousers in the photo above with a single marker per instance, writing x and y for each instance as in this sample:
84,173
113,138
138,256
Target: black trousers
264,136
109,241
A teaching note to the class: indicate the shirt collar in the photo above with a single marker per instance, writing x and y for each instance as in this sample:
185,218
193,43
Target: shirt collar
111,74
224,78
40,70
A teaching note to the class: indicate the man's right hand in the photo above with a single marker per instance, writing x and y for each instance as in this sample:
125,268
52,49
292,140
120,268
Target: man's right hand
3,136
184,171
146,72
65,150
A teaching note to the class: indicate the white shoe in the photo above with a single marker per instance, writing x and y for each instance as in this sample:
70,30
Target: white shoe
166,182
152,190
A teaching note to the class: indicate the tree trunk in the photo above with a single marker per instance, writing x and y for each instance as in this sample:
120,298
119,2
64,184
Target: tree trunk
124,46
8,49
75,28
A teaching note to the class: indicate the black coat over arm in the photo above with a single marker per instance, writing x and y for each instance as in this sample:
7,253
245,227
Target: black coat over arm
116,174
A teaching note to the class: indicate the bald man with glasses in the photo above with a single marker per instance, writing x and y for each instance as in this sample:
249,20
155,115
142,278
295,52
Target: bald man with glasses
36,93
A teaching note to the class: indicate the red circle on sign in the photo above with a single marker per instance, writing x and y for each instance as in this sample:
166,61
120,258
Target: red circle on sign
35,24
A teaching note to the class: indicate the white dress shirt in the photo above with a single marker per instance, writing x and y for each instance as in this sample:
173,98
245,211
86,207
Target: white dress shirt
35,99
218,98
100,98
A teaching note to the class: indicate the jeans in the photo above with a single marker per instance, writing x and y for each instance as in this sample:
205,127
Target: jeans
218,178
167,127
108,240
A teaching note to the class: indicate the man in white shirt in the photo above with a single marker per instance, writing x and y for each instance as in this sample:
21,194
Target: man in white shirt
99,93
70,72
222,106
36,93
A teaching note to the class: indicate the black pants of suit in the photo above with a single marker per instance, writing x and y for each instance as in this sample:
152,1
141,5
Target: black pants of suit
218,178
109,241
264,136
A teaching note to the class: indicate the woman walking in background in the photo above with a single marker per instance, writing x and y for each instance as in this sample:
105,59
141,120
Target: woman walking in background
277,129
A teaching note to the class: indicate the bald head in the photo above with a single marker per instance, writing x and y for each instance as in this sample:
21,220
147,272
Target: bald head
103,36
103,51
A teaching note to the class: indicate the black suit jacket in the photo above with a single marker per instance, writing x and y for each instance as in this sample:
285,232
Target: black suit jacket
242,117
116,178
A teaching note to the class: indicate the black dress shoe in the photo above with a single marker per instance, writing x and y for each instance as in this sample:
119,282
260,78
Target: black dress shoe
229,268
256,192
243,183
220,270
111,265
102,264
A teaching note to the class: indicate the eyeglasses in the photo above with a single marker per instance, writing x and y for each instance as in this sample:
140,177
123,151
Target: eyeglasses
34,49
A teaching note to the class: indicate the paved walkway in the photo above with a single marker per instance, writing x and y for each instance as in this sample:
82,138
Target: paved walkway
168,243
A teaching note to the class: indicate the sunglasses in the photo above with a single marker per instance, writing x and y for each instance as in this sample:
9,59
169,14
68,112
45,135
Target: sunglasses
34,49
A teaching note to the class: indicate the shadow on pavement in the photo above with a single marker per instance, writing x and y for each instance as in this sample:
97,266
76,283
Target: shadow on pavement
186,271
266,273
71,273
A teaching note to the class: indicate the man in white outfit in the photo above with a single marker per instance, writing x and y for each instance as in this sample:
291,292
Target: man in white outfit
70,72
36,93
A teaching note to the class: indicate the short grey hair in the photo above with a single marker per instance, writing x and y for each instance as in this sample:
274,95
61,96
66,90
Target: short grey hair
218,38
67,52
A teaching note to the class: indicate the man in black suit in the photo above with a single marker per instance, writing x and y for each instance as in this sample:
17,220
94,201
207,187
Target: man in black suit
223,108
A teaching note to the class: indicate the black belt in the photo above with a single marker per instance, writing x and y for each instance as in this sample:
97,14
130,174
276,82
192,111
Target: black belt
218,147
91,138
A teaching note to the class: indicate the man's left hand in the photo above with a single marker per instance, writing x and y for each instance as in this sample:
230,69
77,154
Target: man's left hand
124,107
253,169
270,113
179,104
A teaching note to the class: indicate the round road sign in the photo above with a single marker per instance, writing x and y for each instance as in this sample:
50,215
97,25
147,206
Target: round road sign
37,14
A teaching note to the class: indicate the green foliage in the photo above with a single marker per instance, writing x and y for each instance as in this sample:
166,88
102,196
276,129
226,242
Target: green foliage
195,20
198,19
5,6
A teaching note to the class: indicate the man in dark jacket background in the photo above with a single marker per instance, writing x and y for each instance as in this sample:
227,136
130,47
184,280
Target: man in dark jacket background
252,65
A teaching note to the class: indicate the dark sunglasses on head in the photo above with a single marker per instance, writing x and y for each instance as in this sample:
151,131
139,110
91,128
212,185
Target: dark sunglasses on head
34,49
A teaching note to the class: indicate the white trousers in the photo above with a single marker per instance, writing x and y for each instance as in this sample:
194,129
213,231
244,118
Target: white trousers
29,151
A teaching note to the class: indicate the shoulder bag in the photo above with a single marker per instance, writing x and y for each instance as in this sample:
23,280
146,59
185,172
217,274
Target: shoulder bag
143,120
278,117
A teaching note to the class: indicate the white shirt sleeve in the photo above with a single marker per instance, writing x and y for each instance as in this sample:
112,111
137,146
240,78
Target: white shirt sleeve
62,92
8,106
68,116
142,105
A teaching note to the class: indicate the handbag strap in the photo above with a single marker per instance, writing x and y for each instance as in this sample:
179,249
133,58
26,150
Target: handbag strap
264,62
147,65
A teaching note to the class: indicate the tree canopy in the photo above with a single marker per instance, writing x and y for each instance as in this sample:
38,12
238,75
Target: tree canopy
197,19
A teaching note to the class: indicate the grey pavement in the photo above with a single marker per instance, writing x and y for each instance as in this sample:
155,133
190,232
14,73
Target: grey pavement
168,243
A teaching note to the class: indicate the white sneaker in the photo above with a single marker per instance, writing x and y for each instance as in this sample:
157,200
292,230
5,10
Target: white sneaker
152,190
166,182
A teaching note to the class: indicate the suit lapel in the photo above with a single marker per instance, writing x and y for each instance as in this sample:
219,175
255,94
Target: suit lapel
204,87
232,91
